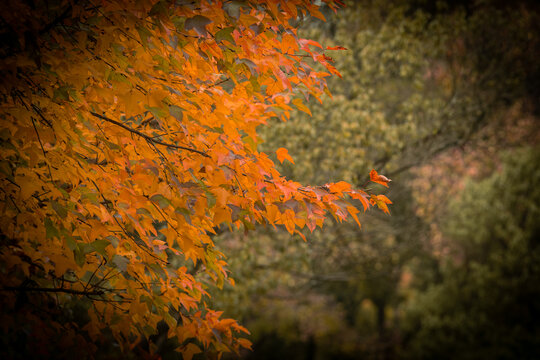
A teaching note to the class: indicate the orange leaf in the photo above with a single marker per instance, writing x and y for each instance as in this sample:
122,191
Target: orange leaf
283,154
339,187
310,42
190,350
336,48
381,201
245,343
384,199
222,214
360,195
353,211
379,179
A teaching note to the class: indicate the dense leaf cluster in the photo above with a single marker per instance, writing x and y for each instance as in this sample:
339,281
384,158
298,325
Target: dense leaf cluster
128,137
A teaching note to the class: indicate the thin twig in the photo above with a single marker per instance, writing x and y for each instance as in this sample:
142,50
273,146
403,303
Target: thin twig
38,111
42,149
103,261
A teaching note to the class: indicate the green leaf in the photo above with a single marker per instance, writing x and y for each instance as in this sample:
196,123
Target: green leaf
120,262
93,197
144,34
148,331
80,253
255,84
158,270
70,240
144,211
61,93
113,240
210,199
250,65
110,145
99,246
178,22
248,140
176,112
225,34
116,77
161,200
157,111
185,213
233,8
159,8
60,210
51,231
122,205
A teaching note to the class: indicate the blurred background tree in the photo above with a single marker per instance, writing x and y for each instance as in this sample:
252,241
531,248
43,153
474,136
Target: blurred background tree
486,303
432,94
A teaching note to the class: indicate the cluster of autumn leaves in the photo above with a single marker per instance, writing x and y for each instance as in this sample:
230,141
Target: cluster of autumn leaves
129,137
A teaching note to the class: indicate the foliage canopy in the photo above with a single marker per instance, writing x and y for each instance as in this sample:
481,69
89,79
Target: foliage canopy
128,136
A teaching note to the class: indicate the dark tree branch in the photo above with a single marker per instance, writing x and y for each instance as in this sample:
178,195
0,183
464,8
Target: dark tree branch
42,149
57,20
147,137
53,290
38,111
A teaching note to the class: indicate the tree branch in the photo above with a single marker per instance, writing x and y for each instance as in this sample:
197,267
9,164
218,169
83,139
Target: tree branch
52,290
147,137
57,20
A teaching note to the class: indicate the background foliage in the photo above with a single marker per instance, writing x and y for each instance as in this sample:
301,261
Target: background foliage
443,98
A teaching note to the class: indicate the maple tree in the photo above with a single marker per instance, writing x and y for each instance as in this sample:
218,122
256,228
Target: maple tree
128,136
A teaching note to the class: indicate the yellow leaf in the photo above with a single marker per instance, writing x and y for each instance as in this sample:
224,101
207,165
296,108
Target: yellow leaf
300,105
